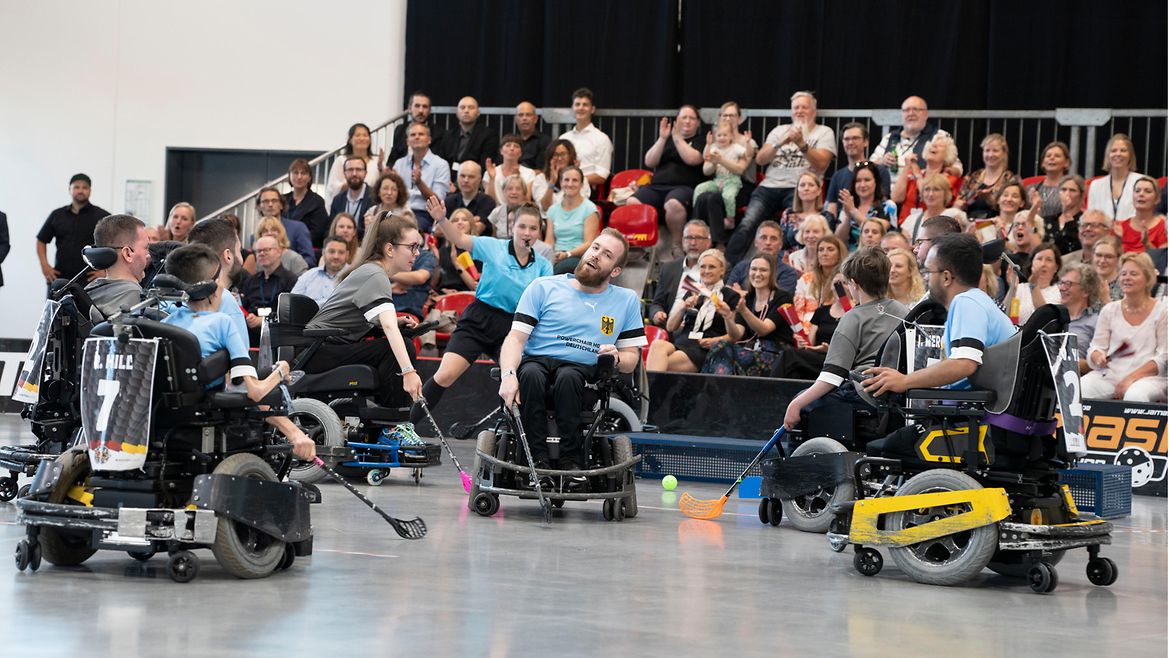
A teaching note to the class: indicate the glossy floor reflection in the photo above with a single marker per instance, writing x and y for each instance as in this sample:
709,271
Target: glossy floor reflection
509,585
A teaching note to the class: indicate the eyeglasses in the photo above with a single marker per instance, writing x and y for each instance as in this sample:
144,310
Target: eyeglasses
912,108
354,170
697,238
921,241
1093,225
926,272
1065,283
415,247
267,250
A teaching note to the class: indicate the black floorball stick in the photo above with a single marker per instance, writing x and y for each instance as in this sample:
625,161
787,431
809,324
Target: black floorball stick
415,528
463,476
461,431
545,505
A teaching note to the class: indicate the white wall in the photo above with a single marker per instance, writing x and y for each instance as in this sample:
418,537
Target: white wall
105,86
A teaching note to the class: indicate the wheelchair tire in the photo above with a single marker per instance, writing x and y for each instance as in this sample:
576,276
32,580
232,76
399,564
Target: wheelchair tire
814,513
65,548
486,441
1014,564
623,450
322,425
947,560
242,550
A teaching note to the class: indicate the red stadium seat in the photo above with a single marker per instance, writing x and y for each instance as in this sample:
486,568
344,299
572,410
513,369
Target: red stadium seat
1031,180
624,178
1161,182
653,333
456,302
638,223
417,340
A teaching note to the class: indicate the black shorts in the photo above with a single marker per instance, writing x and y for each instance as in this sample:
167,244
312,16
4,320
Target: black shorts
480,330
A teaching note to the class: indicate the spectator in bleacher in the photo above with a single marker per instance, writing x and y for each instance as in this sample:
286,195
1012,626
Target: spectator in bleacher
1092,226
759,334
469,140
503,217
812,229
572,224
907,192
710,206
1128,353
345,227
725,159
1080,293
389,197
815,301
156,234
121,284
894,240
1040,288
931,229
545,192
906,284
1113,194
259,291
1162,204
854,142
805,203
989,283
934,194
676,158
1063,226
289,259
357,145
859,335
510,150
789,150
593,148
768,241
696,240
425,173
1023,230
357,198
533,142
453,277
871,234
412,289
419,109
1055,163
270,202
468,194
911,138
696,321
180,220
318,283
977,196
72,228
1145,229
1107,263
863,200
303,204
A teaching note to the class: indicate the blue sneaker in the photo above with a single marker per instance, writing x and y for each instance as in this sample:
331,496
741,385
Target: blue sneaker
406,435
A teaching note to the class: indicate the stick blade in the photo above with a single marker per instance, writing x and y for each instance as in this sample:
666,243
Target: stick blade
415,528
701,509
466,481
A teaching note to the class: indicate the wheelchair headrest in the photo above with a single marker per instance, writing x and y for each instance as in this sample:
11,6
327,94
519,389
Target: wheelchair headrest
1049,318
100,258
295,309
194,291
927,311
992,250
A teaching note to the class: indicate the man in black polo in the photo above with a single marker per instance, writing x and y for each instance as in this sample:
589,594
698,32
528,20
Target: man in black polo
72,228
420,112
533,142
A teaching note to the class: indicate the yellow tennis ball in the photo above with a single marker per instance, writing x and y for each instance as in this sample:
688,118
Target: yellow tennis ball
669,482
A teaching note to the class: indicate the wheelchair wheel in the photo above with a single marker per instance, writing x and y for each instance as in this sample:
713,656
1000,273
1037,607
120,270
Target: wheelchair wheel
486,441
1015,564
813,513
1042,578
947,560
8,489
60,547
1101,571
623,450
321,424
241,550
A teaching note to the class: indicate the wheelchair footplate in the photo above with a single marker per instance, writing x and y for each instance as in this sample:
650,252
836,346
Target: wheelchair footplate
558,476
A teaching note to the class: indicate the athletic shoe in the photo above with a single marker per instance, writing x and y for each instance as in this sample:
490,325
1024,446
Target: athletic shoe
406,435
575,482
546,482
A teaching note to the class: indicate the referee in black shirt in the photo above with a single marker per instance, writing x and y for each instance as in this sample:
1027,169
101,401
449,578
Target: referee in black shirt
72,227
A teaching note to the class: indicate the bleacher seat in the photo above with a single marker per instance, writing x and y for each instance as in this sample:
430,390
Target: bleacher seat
639,223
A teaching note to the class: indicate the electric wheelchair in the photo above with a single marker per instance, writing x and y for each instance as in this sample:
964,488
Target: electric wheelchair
210,476
973,482
500,469
816,474
336,408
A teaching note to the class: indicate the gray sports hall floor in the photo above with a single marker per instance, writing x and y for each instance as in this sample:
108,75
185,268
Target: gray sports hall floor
657,585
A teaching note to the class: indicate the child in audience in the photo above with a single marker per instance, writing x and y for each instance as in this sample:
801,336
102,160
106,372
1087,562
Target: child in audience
725,159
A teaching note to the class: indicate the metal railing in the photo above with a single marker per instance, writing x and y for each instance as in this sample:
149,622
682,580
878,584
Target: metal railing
1086,131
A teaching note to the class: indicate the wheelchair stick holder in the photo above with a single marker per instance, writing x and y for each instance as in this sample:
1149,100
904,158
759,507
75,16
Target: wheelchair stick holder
415,528
545,504
463,476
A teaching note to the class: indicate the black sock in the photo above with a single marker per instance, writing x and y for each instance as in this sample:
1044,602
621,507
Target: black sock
432,393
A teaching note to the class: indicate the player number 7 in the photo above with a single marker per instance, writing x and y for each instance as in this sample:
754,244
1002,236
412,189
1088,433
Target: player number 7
108,391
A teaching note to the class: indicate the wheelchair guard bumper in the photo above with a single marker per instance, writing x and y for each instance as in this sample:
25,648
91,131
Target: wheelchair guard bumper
123,528
279,509
987,506
790,477
1026,537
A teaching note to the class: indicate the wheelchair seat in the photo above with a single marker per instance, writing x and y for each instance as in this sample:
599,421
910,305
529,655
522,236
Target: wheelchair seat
348,378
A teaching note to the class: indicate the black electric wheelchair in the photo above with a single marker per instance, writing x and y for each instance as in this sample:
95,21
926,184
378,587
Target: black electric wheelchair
336,408
210,477
973,481
501,469
816,474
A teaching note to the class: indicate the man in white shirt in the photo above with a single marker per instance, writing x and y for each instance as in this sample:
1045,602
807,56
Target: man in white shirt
594,148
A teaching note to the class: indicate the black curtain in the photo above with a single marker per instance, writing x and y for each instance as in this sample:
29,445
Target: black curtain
967,54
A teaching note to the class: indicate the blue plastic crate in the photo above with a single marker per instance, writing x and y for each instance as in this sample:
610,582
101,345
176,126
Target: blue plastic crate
1103,489
699,458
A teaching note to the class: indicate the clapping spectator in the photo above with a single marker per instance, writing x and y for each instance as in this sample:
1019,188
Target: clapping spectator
71,227
725,159
1113,194
572,223
855,144
180,220
423,172
545,190
1055,162
344,227
390,198
419,109
807,202
696,321
1107,263
906,284
1145,229
978,194
759,334
710,206
1063,227
677,160
768,241
939,156
864,199
511,149
1128,353
303,204
358,145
